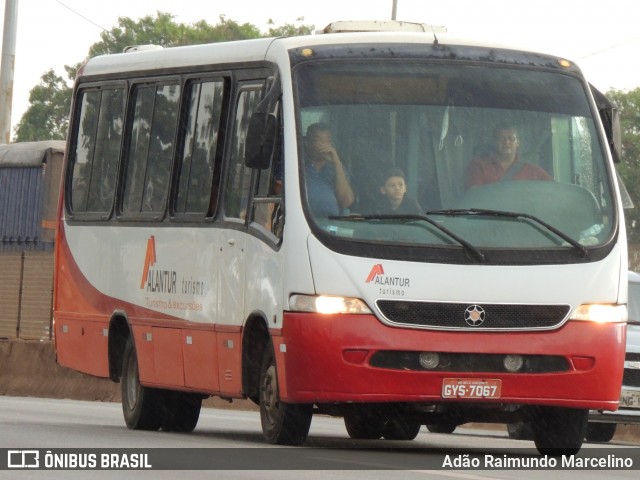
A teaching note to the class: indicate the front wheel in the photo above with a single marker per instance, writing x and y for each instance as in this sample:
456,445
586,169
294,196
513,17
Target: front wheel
142,407
559,431
282,423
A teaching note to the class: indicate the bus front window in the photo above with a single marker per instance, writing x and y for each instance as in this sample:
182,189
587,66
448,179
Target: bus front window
455,141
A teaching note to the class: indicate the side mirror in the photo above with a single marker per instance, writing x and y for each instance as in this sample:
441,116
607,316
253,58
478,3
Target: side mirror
263,129
610,117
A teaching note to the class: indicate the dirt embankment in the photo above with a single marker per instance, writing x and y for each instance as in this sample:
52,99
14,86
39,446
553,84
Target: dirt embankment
29,369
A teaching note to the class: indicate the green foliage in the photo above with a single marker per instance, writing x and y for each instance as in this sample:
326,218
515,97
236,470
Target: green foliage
628,103
163,30
47,117
289,30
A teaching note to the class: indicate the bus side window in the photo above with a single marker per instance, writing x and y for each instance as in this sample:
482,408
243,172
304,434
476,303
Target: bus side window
97,150
239,179
151,148
199,169
83,152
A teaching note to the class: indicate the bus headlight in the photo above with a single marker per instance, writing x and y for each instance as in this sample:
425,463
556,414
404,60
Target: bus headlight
600,313
327,304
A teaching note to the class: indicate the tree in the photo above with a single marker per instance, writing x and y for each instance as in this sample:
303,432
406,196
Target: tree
628,104
47,117
289,30
162,30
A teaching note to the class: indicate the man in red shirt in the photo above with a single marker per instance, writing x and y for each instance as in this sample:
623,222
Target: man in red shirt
503,164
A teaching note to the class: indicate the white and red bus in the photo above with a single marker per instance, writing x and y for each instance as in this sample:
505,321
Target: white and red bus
191,262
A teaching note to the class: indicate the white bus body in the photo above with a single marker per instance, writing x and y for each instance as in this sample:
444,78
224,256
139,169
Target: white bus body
244,291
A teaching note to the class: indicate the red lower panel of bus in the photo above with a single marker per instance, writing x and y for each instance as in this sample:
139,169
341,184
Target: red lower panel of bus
82,344
326,358
205,359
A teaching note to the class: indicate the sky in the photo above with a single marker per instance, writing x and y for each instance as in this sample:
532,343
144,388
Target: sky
603,39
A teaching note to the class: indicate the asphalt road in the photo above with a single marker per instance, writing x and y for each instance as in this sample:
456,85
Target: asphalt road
228,444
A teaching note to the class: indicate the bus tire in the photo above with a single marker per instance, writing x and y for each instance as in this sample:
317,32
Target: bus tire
182,412
520,431
361,425
559,431
282,423
142,407
441,427
600,432
398,428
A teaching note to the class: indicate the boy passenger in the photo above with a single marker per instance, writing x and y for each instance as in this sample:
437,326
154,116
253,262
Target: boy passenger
394,199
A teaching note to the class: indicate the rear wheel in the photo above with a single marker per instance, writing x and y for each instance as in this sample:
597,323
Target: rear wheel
441,427
559,431
520,431
363,425
142,407
282,423
182,411
398,428
600,432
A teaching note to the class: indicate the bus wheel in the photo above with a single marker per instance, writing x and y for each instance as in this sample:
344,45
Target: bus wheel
182,411
559,431
441,427
282,423
398,428
363,425
142,407
600,432
520,431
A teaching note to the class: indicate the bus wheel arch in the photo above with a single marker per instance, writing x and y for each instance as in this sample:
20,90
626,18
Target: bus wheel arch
119,332
255,339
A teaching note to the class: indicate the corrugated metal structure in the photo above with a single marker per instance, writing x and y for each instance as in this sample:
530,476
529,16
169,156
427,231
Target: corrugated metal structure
29,188
10,282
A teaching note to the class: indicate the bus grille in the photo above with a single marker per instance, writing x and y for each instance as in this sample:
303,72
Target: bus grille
477,317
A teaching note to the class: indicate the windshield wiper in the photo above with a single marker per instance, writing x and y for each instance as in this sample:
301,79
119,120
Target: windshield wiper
499,213
467,246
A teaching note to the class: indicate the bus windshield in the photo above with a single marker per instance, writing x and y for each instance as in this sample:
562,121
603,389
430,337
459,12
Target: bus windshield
501,158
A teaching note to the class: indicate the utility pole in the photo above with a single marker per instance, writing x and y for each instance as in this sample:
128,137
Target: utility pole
7,67
394,9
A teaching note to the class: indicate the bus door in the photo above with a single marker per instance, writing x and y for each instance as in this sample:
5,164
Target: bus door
234,240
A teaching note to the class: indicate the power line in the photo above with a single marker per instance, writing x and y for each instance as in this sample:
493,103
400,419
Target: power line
82,16
610,47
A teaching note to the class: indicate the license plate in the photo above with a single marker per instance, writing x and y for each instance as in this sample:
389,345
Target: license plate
629,399
471,388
